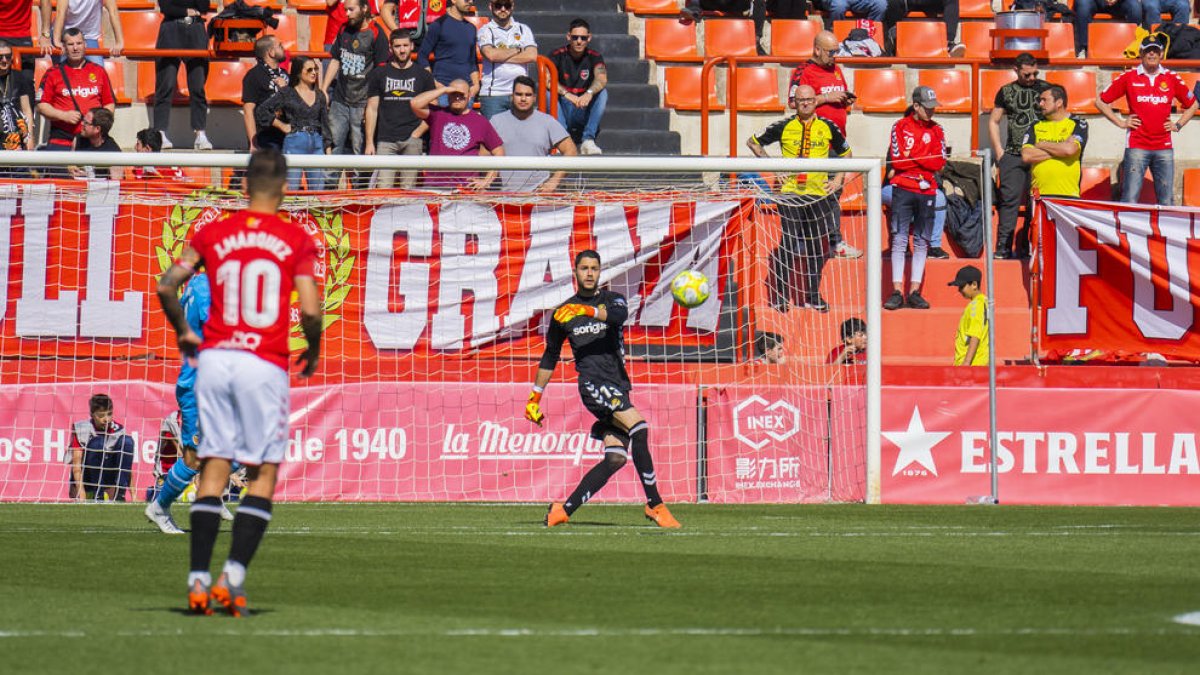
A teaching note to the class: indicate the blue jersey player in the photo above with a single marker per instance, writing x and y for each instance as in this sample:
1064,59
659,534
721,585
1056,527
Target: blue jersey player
196,300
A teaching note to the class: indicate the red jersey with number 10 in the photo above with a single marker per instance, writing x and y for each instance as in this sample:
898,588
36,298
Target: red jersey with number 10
251,259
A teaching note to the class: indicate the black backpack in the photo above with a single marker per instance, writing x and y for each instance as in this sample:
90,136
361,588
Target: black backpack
1184,40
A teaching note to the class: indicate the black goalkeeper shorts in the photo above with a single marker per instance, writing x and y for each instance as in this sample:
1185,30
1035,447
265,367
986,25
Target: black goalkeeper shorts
603,398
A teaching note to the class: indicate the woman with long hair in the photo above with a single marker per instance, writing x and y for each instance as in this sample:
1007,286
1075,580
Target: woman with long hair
301,111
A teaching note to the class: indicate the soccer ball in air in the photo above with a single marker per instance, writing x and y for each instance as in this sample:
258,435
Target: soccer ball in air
690,288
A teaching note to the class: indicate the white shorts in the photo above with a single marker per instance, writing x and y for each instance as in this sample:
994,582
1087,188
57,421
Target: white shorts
244,407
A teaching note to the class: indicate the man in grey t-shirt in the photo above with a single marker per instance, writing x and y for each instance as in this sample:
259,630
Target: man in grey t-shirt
527,132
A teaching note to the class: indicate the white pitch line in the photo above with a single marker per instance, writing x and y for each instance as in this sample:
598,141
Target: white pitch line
1189,619
624,530
814,631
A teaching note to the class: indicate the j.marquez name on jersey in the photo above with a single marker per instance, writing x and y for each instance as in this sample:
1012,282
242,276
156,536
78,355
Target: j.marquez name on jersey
263,240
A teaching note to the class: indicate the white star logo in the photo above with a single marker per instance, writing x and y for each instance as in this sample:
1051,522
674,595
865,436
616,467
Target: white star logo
916,444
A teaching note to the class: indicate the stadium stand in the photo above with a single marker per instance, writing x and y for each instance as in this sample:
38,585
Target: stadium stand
793,38
116,74
990,82
977,37
285,31
140,29
758,90
880,91
652,7
224,84
975,9
1095,182
920,39
729,37
1060,40
953,88
681,89
669,40
1108,39
1191,187
1081,89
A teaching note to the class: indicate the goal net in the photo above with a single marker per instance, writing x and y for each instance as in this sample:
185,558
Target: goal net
437,300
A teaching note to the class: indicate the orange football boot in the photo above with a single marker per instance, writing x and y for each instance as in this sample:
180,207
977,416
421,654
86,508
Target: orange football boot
557,515
662,517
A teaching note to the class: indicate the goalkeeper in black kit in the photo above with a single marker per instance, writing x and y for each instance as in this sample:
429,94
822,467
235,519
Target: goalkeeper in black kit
593,321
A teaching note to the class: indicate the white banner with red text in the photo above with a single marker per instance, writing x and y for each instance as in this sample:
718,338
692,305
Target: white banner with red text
374,441
1118,278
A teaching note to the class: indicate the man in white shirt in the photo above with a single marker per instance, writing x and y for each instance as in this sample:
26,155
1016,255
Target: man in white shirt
531,133
508,49
84,15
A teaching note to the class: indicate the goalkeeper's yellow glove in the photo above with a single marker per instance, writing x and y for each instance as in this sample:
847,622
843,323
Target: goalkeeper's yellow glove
533,411
568,312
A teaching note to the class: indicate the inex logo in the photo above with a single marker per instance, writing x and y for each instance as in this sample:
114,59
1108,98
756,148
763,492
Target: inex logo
756,423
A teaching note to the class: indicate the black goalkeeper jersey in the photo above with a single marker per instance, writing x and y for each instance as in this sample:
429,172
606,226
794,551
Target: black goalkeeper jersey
598,346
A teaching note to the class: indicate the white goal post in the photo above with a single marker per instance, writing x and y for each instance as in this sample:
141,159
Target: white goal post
613,191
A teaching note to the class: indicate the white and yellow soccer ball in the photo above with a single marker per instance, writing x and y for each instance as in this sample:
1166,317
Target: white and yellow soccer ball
690,288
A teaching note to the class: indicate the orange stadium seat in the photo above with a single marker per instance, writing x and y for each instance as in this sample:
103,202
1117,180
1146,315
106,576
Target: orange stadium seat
1189,78
116,76
758,90
307,5
681,89
880,91
276,5
976,36
793,38
137,4
1108,39
669,40
1191,187
477,21
842,28
1060,40
316,31
953,88
40,67
975,9
990,82
145,83
921,39
224,83
654,7
1095,182
1081,89
285,31
140,29
729,37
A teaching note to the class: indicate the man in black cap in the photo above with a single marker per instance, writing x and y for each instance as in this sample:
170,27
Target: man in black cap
971,338
1149,90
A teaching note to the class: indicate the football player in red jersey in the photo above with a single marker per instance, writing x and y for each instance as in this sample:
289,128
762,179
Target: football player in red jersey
253,259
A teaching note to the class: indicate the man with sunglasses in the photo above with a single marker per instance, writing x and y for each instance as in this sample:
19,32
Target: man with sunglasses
96,125
582,78
16,103
1018,102
508,48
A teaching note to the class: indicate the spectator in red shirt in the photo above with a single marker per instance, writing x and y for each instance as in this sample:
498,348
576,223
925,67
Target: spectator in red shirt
1148,91
16,17
70,89
834,99
335,12
916,153
853,349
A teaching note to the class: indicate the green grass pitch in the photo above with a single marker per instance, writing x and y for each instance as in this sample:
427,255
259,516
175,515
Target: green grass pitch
741,589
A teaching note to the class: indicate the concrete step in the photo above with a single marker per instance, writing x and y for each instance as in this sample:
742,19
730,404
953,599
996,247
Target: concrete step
637,118
557,22
611,46
638,142
631,70
633,96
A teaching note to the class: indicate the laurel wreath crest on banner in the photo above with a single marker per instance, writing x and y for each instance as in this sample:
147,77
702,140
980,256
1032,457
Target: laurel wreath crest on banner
198,210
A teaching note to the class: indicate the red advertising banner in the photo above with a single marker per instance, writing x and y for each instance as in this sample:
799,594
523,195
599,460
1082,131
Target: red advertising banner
1118,277
777,444
375,441
421,275
1057,446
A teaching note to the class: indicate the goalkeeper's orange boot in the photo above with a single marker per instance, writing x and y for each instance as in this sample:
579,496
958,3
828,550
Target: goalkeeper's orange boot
198,599
557,515
232,598
662,517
